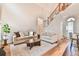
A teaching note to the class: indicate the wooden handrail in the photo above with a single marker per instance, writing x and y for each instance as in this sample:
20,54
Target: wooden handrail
54,10
60,7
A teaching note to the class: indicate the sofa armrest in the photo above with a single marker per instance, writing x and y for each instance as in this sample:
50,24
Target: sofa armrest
14,38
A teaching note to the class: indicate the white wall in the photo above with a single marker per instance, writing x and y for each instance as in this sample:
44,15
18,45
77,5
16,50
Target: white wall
21,17
56,25
0,22
77,24
73,11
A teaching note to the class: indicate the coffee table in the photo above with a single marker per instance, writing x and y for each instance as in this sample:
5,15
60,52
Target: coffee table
34,43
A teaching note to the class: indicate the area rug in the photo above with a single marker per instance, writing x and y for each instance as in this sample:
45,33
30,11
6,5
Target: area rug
23,50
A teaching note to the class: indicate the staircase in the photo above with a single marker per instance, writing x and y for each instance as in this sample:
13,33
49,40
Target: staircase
60,7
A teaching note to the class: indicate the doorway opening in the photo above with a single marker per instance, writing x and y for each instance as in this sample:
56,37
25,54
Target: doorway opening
70,27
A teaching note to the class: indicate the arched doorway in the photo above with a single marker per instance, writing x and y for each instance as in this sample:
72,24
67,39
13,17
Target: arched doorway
69,27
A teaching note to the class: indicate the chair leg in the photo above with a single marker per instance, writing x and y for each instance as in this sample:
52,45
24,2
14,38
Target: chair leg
78,44
71,46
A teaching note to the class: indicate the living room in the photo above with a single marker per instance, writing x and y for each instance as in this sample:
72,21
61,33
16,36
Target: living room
27,31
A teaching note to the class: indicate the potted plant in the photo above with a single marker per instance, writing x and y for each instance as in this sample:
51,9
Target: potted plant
6,31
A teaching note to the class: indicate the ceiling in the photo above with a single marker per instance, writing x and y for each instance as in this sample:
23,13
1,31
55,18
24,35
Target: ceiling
47,6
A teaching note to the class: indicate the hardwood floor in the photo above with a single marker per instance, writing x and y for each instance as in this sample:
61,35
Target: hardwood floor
7,50
69,51
73,51
58,50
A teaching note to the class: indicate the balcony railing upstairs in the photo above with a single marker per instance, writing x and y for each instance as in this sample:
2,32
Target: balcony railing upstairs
60,7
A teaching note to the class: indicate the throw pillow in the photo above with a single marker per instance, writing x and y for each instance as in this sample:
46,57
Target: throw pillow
17,34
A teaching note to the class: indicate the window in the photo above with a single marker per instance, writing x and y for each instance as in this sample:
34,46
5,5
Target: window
71,19
70,26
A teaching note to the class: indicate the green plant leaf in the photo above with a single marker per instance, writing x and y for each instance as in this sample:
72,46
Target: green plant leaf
6,28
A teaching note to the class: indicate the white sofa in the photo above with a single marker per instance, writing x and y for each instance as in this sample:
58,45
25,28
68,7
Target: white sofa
51,37
24,38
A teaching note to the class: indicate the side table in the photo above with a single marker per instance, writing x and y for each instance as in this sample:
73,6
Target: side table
5,42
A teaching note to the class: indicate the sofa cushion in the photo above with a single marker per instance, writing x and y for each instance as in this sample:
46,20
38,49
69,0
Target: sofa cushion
17,34
25,33
21,34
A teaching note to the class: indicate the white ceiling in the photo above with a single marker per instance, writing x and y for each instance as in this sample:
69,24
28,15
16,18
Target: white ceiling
47,6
